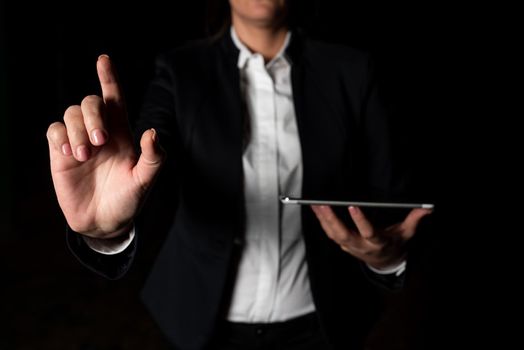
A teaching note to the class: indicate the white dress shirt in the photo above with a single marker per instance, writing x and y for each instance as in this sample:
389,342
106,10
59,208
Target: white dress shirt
272,281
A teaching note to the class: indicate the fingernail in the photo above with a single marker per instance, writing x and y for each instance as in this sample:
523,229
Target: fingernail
66,149
154,136
82,153
353,209
103,55
99,137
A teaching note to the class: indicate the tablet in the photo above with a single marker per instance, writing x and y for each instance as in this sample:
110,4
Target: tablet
293,200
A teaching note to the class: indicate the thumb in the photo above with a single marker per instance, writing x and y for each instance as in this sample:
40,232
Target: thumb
151,158
410,223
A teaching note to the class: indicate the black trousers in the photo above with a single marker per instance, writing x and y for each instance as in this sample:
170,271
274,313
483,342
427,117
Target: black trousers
301,333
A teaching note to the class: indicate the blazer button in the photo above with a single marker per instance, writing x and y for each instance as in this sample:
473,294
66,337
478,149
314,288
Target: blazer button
238,241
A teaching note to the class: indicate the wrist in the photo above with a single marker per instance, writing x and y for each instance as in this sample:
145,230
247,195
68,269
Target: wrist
387,264
115,236
120,234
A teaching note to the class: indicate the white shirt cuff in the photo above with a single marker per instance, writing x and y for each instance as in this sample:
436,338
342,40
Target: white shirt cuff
110,246
396,269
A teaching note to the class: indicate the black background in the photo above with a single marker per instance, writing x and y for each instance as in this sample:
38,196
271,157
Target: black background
432,63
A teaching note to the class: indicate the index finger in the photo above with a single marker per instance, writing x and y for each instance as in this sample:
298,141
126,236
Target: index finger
334,228
111,91
365,228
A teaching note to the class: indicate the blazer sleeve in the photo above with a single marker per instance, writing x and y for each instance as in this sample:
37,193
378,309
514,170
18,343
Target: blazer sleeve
390,282
157,112
109,266
386,180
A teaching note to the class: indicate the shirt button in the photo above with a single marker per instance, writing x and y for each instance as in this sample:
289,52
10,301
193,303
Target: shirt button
259,331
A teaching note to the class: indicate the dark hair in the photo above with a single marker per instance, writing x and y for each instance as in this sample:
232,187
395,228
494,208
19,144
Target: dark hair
218,17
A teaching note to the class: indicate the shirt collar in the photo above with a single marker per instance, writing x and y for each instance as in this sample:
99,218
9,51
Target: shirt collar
245,53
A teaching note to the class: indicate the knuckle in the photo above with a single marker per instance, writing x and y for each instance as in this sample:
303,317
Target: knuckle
329,220
72,113
92,107
367,252
344,240
338,240
345,248
77,135
54,130
90,101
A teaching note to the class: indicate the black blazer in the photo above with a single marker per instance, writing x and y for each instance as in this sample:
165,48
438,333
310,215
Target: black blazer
194,102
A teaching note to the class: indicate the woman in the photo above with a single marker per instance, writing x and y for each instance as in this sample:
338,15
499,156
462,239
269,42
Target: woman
259,112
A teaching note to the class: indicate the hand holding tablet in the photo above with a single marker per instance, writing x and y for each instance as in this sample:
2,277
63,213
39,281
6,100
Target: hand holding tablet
293,200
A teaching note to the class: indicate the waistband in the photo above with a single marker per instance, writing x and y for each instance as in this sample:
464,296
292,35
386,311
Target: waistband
294,325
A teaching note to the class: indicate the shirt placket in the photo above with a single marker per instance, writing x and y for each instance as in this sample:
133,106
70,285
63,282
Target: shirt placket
262,100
